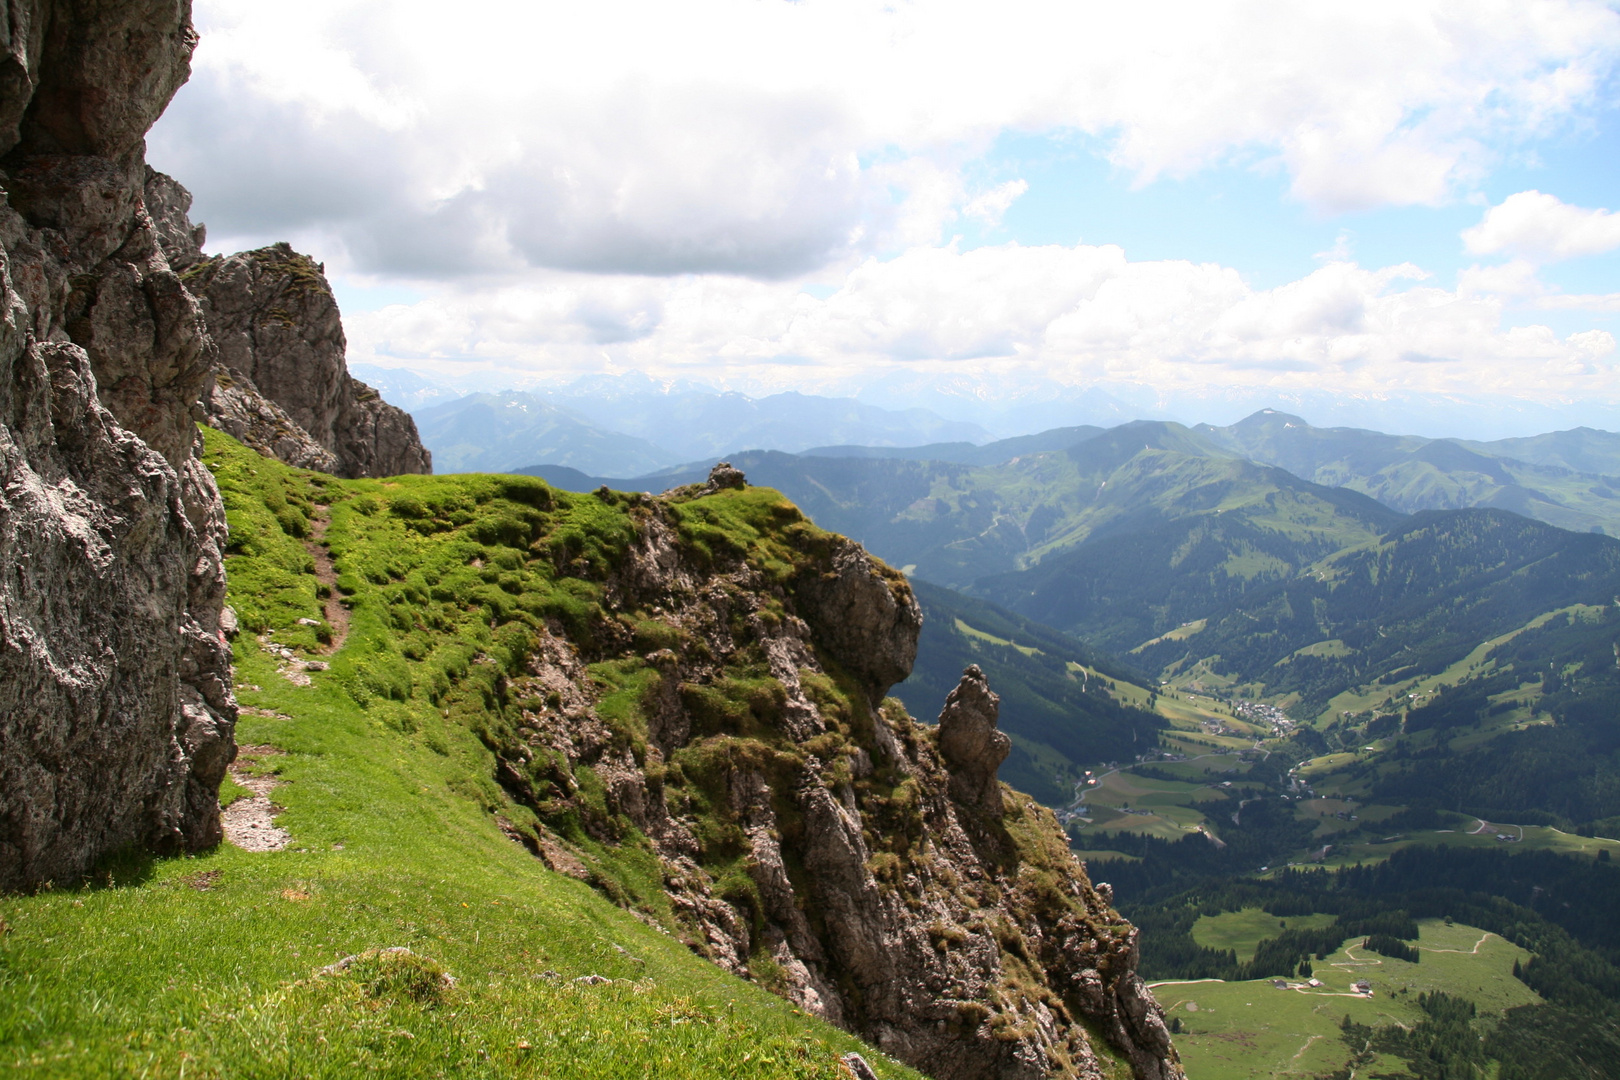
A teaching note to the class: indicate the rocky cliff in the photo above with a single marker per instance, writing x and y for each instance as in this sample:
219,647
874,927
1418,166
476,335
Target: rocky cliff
810,834
282,383
116,712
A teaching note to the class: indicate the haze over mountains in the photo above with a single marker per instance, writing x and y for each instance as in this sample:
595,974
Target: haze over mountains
630,425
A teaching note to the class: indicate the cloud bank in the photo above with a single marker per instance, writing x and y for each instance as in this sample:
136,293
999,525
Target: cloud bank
765,193
768,138
1079,315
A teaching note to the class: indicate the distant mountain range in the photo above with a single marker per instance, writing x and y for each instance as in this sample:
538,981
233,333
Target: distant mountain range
1036,502
627,426
692,424
491,432
1567,478
1187,550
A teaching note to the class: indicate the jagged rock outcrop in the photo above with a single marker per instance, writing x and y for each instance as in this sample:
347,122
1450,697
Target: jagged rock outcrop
282,383
970,743
116,713
811,835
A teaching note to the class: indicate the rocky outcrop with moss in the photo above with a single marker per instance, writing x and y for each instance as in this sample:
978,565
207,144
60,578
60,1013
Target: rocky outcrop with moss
809,833
115,704
282,384
684,699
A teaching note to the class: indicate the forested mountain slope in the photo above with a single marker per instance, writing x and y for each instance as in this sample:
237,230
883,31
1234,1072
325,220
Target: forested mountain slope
1563,478
1413,600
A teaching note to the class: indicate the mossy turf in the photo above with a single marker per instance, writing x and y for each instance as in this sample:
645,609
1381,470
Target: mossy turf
212,966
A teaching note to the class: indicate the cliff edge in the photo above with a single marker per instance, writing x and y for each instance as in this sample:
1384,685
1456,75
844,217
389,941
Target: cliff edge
727,713
116,713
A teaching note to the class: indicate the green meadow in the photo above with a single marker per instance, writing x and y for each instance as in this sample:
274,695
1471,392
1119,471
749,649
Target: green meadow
1254,1031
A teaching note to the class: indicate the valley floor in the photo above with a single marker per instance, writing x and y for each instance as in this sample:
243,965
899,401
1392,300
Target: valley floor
1253,1030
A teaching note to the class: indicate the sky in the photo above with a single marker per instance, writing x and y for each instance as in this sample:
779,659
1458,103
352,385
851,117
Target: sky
1351,207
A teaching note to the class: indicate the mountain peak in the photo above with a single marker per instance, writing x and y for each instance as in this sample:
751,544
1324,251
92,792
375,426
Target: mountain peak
1271,419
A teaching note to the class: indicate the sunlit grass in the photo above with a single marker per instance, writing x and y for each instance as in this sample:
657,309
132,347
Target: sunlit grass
212,966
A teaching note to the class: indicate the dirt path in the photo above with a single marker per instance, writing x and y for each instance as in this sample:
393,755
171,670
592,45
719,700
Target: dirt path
1181,982
1462,952
337,616
1481,825
1301,1051
249,822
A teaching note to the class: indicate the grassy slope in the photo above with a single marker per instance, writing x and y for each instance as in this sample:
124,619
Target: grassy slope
206,966
1243,930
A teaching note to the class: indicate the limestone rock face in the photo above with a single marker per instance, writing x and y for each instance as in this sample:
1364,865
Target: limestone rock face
812,835
116,713
970,743
282,382
864,613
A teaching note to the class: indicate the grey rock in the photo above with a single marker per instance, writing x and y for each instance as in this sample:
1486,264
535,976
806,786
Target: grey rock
235,407
116,712
282,381
897,890
276,322
864,613
169,206
725,476
858,1066
970,743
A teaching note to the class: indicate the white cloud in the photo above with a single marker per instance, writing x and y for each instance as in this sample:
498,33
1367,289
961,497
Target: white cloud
1001,315
1542,228
767,138
1517,278
991,206
1599,302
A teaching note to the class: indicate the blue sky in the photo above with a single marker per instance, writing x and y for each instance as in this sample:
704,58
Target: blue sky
1168,201
1244,217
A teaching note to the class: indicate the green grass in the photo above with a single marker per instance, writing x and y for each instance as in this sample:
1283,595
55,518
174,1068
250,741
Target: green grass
1536,838
1252,1031
1242,931
980,635
210,966
211,960
1180,633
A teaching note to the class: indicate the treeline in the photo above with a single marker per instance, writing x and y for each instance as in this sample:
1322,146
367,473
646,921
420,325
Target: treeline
1560,909
1392,947
1268,833
1169,951
1531,1042
1442,1046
